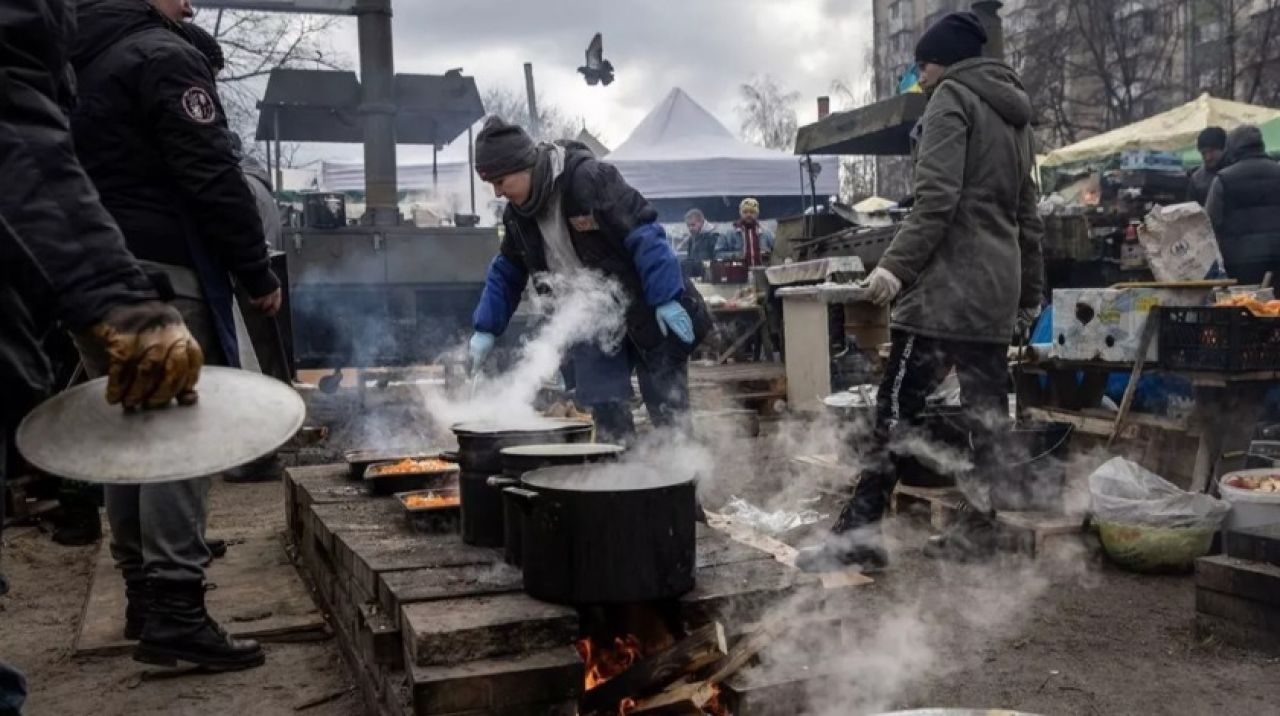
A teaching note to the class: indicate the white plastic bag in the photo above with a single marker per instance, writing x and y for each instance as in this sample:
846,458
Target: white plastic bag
1123,491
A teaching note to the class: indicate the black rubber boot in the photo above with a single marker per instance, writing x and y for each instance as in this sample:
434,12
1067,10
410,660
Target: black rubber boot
179,629
970,538
137,605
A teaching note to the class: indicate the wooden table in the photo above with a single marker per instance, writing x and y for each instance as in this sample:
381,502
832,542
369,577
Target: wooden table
1226,408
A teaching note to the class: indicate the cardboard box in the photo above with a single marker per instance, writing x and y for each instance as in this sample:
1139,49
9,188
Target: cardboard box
1106,323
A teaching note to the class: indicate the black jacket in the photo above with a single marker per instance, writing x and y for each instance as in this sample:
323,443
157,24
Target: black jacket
152,134
614,230
61,255
1244,206
1198,184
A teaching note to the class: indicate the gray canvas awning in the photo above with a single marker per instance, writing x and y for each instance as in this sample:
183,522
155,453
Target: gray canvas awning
880,129
324,106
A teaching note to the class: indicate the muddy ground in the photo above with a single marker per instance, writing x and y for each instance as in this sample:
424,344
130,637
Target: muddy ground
1064,634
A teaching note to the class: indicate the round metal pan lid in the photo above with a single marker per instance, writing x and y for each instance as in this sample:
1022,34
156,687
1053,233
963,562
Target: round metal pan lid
534,425
605,477
240,417
566,450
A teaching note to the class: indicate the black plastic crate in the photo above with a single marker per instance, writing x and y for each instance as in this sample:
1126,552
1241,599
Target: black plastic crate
1218,338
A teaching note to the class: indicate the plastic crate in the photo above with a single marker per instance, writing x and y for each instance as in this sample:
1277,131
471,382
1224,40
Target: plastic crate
1218,338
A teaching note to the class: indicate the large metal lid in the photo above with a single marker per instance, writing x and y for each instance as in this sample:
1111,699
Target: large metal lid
241,416
528,425
606,477
566,450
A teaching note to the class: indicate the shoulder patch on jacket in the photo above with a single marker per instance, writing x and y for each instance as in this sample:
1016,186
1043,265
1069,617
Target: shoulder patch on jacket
199,106
586,222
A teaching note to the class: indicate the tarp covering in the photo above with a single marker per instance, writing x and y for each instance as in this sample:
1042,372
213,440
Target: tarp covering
679,150
1170,131
1270,137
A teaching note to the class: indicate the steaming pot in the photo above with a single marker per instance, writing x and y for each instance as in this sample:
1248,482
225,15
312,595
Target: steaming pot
479,454
516,461
607,534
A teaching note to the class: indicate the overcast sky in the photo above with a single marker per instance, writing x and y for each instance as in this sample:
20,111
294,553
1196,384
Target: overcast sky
706,47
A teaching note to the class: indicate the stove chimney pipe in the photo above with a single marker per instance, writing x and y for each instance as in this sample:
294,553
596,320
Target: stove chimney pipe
378,109
988,11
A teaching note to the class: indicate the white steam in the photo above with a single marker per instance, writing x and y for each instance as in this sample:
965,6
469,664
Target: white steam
586,307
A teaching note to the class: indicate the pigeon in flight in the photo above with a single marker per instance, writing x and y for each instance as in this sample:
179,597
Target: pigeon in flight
598,70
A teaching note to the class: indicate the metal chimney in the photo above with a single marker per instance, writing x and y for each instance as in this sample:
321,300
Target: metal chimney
378,107
988,11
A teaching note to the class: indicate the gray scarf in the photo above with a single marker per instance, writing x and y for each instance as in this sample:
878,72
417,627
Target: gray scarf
549,167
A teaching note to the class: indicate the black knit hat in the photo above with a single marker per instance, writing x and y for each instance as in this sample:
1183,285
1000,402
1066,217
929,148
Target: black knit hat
503,149
1212,138
206,44
957,36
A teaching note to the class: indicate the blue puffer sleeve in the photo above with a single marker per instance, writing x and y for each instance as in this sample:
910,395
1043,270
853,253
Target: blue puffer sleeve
656,263
502,290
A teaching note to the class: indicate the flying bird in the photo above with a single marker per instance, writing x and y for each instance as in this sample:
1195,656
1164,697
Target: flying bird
598,70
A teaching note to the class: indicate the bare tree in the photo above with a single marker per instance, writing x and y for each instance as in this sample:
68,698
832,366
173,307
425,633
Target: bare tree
1236,49
255,43
513,106
857,174
768,113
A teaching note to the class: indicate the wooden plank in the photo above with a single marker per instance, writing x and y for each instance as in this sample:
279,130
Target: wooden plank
1257,581
548,675
259,595
1149,329
701,648
717,549
1245,612
1210,627
450,631
1260,544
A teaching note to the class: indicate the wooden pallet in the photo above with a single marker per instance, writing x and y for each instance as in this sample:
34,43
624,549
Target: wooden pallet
433,626
1025,532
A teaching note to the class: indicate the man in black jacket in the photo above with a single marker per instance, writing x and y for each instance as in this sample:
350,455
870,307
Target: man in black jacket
1212,144
1244,206
153,136
568,212
61,256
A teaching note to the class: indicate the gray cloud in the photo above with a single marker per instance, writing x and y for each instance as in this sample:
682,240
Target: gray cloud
707,47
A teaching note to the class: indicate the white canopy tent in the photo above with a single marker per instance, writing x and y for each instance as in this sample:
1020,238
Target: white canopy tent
680,151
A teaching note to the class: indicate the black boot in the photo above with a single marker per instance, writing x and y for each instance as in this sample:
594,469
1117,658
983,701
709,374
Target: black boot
137,605
77,527
179,629
971,537
839,552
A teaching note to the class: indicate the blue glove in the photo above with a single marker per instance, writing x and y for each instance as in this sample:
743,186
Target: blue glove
672,316
481,346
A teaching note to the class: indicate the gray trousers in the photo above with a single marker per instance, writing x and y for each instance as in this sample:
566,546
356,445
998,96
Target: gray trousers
157,531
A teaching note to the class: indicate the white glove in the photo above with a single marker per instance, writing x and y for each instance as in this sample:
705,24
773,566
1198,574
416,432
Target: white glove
883,285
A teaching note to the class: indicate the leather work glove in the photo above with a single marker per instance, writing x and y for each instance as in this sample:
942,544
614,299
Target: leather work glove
883,285
672,317
151,356
1027,317
480,348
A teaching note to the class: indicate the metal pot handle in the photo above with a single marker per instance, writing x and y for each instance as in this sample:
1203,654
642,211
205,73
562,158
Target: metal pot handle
449,456
523,497
500,482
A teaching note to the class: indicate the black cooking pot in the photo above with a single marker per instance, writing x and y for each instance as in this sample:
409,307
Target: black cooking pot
518,460
607,534
479,446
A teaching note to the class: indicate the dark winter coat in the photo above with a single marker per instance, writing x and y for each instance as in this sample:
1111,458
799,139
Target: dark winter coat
152,134
969,253
614,230
1244,206
62,258
1198,184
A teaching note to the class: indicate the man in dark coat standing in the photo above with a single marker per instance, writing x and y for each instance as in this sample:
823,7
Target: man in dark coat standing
62,258
1244,206
966,271
152,134
569,212
1212,144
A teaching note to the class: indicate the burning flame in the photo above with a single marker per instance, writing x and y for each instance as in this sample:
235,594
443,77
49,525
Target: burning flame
604,664
713,706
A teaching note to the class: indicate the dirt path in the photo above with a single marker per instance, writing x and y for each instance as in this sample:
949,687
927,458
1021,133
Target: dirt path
38,622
